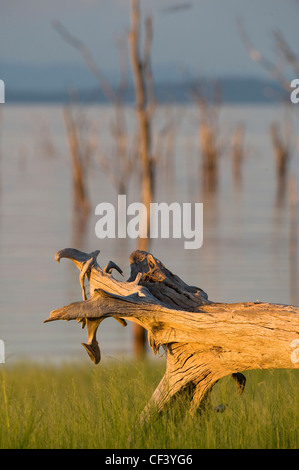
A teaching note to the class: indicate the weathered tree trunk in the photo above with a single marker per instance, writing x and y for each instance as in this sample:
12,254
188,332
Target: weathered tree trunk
144,104
238,153
78,163
282,155
204,340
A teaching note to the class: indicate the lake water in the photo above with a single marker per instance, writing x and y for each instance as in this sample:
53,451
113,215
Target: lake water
245,254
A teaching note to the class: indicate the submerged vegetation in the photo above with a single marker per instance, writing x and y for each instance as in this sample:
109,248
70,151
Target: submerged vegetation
81,406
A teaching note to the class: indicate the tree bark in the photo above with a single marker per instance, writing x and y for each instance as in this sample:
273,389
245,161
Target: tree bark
204,340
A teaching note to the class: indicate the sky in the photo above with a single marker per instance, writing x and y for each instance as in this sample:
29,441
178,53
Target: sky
189,36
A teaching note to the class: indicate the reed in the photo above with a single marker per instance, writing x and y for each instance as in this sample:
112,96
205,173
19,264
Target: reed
77,406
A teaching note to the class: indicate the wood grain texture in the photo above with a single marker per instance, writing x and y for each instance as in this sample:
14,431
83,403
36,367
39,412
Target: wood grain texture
204,340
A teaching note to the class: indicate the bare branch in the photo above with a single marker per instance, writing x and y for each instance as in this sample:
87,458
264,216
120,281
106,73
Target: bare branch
257,56
88,59
287,52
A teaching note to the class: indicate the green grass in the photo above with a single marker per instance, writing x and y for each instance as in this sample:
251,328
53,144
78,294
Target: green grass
86,406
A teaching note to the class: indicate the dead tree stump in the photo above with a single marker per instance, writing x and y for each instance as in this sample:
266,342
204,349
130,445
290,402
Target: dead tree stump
204,340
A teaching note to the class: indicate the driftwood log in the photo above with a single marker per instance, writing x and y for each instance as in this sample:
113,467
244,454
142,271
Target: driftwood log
204,340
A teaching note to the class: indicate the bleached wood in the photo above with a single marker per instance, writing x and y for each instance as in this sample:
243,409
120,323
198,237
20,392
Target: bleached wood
204,340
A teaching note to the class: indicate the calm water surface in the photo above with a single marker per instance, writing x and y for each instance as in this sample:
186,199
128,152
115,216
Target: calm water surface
245,254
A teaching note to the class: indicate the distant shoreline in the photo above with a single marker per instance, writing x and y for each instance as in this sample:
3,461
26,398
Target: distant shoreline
233,90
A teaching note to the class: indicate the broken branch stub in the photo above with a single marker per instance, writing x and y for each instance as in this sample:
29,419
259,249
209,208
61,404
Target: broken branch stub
204,340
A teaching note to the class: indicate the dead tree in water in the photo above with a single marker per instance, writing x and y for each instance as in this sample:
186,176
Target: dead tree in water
208,136
145,106
238,153
79,156
282,156
288,59
204,340
210,141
